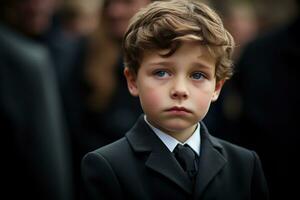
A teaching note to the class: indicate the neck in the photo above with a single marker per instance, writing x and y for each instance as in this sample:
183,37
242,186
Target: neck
180,135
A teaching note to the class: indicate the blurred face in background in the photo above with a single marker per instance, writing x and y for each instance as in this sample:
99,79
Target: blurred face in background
32,17
117,14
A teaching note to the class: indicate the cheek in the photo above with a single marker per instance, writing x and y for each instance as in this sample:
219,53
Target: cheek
202,100
150,99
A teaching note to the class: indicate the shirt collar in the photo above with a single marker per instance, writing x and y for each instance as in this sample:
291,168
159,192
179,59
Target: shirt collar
193,141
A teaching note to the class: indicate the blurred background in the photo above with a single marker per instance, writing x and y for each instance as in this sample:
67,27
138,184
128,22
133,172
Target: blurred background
63,94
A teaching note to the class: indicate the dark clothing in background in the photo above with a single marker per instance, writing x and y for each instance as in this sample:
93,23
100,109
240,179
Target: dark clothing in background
36,153
92,129
101,128
67,57
140,166
42,85
268,81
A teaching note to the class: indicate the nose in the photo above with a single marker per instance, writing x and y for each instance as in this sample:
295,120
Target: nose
179,90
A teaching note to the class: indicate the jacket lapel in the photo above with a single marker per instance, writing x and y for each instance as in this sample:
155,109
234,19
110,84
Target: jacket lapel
210,163
160,159
164,163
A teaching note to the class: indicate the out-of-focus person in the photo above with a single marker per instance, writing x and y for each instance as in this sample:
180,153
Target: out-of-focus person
80,18
110,109
267,79
104,110
240,18
35,143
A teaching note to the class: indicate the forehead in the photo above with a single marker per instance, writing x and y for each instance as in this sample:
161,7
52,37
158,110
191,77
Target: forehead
188,52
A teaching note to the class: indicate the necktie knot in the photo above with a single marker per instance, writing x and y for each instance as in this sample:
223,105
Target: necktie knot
187,158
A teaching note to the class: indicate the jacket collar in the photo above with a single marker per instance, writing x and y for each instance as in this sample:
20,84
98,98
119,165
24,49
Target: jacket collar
211,161
160,159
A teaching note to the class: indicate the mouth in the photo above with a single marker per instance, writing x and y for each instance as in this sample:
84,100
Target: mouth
178,109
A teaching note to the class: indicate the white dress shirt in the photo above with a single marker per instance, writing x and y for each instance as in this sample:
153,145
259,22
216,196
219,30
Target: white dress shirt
193,141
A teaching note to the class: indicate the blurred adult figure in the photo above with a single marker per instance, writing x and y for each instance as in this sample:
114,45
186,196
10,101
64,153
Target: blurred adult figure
110,110
102,109
80,18
35,143
241,21
267,76
117,13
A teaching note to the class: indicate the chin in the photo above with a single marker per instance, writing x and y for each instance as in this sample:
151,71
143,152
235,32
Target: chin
177,126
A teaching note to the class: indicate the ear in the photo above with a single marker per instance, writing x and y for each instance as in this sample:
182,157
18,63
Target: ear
218,88
131,81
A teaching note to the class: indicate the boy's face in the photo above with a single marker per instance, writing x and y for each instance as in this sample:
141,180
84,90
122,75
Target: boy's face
175,92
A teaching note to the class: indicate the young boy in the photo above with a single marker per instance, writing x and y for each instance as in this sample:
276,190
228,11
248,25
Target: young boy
177,56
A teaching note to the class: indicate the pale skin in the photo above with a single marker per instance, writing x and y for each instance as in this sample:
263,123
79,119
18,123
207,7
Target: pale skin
176,92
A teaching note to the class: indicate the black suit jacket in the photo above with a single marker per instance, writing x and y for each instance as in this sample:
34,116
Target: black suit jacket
140,166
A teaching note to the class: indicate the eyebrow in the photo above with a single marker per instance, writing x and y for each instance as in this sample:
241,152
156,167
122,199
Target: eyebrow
167,63
160,63
203,65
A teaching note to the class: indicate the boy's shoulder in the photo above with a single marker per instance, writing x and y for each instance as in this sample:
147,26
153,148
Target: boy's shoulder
117,156
231,151
225,147
140,139
113,150
230,145
122,149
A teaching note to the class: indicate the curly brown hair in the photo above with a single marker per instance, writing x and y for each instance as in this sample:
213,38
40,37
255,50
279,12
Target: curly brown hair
166,24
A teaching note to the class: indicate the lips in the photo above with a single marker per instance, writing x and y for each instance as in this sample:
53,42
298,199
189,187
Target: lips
179,109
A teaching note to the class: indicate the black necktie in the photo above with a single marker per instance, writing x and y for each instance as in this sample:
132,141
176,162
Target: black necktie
187,158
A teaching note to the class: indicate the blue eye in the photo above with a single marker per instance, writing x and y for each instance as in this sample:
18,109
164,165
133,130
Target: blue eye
161,73
197,75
